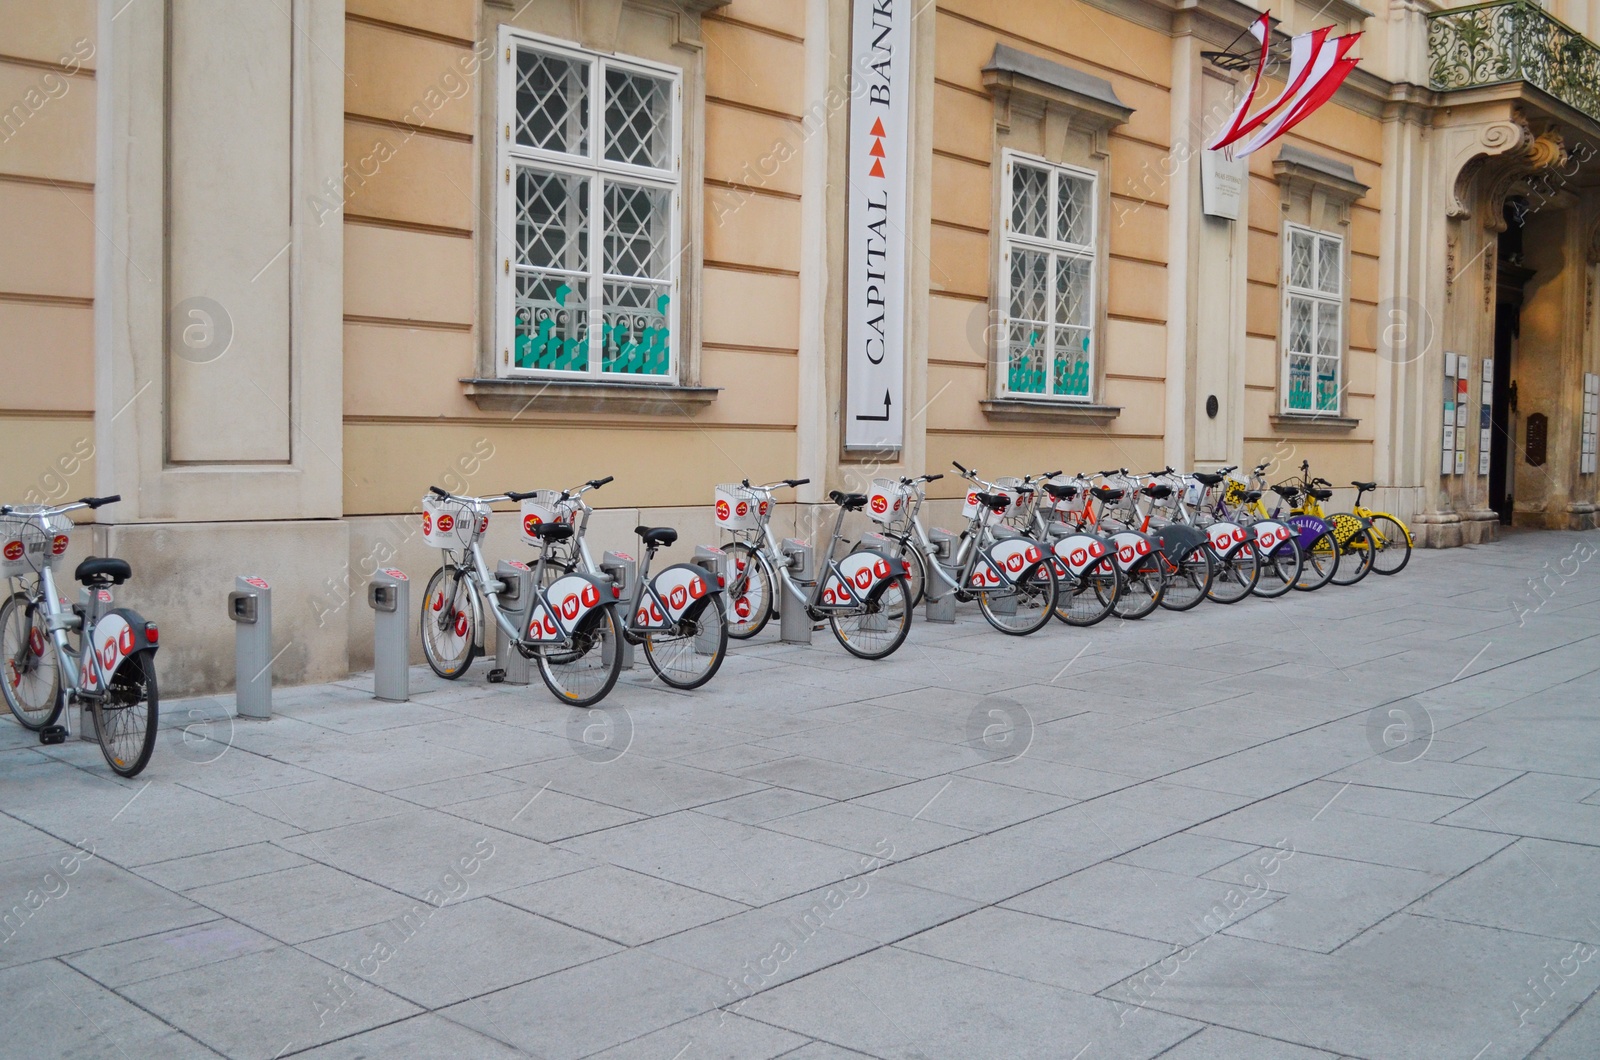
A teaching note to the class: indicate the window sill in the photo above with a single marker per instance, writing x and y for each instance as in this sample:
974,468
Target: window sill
1310,421
554,395
1012,408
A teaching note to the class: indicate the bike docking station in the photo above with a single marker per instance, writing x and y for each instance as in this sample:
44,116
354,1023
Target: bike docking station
517,594
623,570
250,608
794,624
939,608
389,596
715,562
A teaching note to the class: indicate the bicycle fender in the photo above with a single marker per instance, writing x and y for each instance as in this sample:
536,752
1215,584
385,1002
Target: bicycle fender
1308,527
119,634
1270,534
672,592
1004,563
1076,552
1179,540
855,576
565,603
1345,526
1225,536
1132,546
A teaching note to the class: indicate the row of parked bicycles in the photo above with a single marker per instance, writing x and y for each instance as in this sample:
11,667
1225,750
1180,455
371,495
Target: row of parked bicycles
1079,549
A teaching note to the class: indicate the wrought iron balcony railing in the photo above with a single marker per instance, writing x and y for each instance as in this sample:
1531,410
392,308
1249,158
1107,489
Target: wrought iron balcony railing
1513,40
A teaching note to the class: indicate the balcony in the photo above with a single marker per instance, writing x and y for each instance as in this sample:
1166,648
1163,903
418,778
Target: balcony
1505,42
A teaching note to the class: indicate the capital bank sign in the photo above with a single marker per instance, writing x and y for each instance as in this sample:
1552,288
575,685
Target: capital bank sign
879,170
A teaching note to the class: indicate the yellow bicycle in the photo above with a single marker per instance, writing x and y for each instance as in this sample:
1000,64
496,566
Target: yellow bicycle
1352,533
1391,538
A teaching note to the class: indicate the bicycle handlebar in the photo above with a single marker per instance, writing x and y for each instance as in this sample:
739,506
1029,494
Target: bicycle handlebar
596,483
437,492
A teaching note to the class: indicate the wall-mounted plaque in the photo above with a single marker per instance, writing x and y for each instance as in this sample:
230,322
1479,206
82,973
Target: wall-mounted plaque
1538,431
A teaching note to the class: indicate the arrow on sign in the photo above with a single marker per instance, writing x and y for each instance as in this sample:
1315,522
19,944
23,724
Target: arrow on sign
880,419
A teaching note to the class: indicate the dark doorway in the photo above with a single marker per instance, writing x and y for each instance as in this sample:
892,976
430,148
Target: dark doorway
1511,277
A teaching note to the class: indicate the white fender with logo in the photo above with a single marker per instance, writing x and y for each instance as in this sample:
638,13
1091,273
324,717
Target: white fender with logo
569,599
1076,553
1131,548
671,593
118,635
1270,534
1005,563
1226,536
856,576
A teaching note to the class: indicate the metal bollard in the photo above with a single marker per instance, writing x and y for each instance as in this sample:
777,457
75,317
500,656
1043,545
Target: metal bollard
250,607
623,570
389,596
715,561
515,600
794,625
942,609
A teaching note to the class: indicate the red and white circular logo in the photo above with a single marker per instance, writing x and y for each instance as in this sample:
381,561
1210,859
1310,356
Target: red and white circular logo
427,524
1126,553
863,578
678,598
483,524
1014,562
13,550
1079,557
697,588
446,524
763,507
125,640
59,545
741,606
722,511
397,575
569,607
743,509
530,521
880,503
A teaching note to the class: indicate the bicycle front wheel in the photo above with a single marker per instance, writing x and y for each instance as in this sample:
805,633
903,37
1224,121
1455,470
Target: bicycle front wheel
877,629
689,655
1280,569
1355,549
1189,578
1142,588
29,675
449,624
1025,607
125,717
581,672
1236,574
752,590
1321,563
1391,546
1085,600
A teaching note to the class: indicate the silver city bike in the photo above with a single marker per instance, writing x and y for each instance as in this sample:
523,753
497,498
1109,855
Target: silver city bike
865,597
111,667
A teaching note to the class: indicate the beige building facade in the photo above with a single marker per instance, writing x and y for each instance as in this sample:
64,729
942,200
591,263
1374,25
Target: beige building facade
271,270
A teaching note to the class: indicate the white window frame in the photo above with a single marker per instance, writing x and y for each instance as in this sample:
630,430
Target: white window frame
1316,296
1089,251
510,155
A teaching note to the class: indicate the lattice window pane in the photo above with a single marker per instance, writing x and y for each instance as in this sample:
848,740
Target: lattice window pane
1327,384
552,322
638,231
1300,325
1070,377
552,102
1301,247
1030,285
1299,382
552,219
1072,290
1328,329
635,337
1030,201
638,119
1329,273
1074,206
1025,361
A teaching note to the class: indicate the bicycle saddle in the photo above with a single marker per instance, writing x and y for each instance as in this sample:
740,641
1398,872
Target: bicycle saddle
1157,490
1320,494
1061,493
1365,485
994,501
1106,493
1288,493
1205,478
850,502
552,531
656,535
103,569
1251,496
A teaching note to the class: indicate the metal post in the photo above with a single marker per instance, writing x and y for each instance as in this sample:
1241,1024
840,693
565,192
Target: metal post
623,571
715,562
794,625
250,607
942,608
389,596
515,600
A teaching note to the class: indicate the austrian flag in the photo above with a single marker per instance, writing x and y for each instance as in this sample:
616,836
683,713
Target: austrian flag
1318,65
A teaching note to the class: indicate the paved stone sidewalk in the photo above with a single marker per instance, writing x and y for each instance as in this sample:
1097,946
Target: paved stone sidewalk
1174,837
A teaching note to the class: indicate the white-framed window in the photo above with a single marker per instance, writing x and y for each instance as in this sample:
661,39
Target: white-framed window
1313,320
589,207
1046,345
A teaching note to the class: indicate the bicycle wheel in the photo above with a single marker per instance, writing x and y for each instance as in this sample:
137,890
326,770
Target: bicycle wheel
125,717
1355,549
1085,600
1236,574
449,623
916,571
1321,562
1025,607
880,627
1189,578
1391,545
1141,588
690,655
1279,570
751,591
581,672
29,675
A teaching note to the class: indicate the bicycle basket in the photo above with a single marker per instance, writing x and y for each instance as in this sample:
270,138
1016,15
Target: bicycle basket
739,507
28,544
451,523
969,507
547,506
887,499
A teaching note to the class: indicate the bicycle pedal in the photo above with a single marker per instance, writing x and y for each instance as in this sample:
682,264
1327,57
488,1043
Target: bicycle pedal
819,625
52,734
496,676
